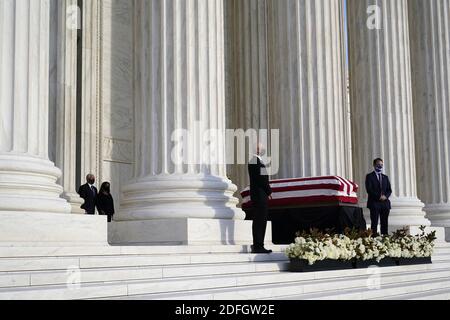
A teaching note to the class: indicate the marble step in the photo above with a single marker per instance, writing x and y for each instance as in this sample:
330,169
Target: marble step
55,270
89,262
440,294
117,261
264,285
61,292
39,278
442,245
440,256
393,289
19,251
294,287
72,254
204,272
316,281
64,263
18,279
442,250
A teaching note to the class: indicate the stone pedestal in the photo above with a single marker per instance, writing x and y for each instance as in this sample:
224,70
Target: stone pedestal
52,229
381,99
184,231
179,85
430,61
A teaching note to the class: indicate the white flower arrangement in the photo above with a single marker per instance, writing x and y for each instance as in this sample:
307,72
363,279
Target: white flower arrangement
318,246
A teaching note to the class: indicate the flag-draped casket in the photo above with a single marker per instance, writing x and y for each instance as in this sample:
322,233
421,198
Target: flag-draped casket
308,191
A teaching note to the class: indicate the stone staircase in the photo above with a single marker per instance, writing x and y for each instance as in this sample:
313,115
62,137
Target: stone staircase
203,272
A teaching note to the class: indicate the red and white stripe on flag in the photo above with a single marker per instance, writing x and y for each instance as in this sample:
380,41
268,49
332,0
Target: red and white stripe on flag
300,191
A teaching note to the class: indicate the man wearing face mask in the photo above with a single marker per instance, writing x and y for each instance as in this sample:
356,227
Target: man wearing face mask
260,192
88,192
379,190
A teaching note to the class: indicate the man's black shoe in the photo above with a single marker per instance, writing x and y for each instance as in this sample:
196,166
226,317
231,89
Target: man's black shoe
260,250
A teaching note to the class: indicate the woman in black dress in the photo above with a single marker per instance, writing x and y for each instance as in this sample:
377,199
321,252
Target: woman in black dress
104,201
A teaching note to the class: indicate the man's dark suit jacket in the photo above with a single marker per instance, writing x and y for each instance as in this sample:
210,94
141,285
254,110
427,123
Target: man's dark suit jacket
374,190
259,183
86,193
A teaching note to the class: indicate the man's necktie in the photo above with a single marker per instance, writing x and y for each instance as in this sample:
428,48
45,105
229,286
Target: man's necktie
380,177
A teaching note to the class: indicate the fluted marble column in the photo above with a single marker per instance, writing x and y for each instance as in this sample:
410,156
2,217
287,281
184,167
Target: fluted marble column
247,72
179,82
27,177
381,99
66,103
307,85
91,88
429,23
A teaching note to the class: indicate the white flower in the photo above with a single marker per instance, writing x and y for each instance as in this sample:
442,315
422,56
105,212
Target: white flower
340,247
361,248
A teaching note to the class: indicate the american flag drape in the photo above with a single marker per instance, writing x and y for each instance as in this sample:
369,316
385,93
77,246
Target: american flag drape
301,191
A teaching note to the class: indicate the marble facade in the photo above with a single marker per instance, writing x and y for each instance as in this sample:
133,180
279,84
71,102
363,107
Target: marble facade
263,64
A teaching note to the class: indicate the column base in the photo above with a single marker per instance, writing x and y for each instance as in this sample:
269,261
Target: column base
52,229
184,231
195,196
74,201
407,212
439,214
28,184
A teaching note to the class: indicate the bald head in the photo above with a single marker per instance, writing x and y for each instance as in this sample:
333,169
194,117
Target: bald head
260,149
90,178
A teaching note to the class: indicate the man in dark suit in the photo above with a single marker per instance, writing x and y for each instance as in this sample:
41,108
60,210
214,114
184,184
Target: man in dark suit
88,192
379,190
260,192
